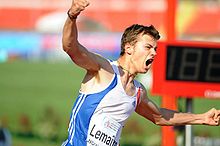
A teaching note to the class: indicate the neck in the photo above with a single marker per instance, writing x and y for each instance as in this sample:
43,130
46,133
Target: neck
125,69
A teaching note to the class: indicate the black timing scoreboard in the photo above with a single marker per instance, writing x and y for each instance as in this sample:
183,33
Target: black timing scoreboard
190,69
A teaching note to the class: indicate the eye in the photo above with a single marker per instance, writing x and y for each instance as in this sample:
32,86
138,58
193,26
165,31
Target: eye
148,47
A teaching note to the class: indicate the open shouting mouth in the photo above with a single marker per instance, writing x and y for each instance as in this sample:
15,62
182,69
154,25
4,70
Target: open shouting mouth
149,61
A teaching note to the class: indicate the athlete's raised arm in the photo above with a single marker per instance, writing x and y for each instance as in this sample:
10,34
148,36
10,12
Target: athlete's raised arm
78,53
166,117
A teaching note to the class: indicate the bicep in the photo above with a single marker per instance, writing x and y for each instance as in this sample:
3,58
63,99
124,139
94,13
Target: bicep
159,116
78,53
149,110
84,58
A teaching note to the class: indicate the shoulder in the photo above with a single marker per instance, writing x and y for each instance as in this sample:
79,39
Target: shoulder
96,81
105,72
104,63
143,91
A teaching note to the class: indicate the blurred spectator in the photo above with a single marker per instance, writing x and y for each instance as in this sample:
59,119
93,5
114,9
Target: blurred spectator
3,55
49,125
5,136
25,126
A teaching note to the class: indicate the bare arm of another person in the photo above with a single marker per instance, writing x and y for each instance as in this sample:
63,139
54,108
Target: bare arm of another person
166,117
78,53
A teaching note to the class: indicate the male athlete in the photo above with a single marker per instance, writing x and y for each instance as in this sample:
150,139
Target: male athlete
109,93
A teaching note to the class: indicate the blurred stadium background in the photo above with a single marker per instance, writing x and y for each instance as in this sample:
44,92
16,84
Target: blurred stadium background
38,82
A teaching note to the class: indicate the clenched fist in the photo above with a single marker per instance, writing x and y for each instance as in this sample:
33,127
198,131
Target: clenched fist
212,117
77,7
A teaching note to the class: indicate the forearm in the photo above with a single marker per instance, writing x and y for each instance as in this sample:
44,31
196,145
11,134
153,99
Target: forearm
172,118
70,35
166,117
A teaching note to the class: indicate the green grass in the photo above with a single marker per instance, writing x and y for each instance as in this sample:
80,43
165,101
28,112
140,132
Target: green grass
30,88
23,141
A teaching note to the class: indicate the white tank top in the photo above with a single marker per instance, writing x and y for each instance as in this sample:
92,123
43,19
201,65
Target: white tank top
97,119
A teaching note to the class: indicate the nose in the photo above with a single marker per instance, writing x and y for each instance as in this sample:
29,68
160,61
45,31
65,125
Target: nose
154,52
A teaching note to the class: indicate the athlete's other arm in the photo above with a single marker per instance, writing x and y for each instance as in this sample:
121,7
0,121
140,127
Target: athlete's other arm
78,53
166,117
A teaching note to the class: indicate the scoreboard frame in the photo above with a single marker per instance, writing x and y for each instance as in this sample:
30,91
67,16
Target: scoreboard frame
192,55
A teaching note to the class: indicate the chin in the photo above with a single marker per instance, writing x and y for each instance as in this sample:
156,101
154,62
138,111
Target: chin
145,71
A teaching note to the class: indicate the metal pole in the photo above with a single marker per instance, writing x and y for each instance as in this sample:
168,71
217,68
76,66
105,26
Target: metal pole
188,130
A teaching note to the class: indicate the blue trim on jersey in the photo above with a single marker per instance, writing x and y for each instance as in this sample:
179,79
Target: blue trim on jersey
74,109
82,112
72,130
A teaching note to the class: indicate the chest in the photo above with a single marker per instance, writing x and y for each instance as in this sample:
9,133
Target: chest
117,104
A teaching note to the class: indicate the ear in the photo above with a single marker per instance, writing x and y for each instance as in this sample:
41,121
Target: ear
129,49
